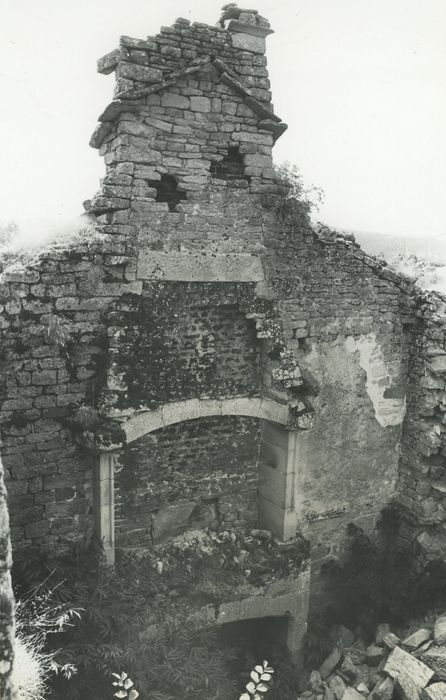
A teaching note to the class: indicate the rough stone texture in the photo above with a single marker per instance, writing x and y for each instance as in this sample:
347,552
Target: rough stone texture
188,475
6,599
352,694
400,663
117,323
440,630
383,690
406,688
416,639
436,691
435,657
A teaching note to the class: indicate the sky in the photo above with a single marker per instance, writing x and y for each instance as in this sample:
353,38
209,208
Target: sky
361,84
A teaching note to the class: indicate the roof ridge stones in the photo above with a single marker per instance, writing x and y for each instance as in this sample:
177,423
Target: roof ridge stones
126,101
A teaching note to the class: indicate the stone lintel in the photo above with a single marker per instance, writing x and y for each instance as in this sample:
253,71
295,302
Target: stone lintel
253,29
249,42
198,267
292,604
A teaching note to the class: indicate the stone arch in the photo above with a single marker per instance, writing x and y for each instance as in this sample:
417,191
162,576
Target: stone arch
143,422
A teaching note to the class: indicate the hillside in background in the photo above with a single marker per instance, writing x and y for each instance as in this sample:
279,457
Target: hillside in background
423,259
433,248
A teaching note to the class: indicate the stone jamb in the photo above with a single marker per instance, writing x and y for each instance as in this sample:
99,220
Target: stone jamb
104,501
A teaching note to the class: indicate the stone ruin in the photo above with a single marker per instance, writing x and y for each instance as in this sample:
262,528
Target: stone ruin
411,668
202,355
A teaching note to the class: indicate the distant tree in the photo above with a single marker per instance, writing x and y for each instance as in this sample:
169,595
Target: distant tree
8,232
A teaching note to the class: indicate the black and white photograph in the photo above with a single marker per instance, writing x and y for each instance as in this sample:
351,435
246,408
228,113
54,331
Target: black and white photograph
223,350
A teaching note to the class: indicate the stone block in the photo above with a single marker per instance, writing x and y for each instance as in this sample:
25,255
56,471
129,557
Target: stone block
171,520
406,688
401,662
276,484
352,694
190,267
330,663
436,691
253,137
248,42
440,630
281,522
375,654
200,104
435,658
391,640
135,71
383,690
135,128
337,686
172,99
107,64
416,639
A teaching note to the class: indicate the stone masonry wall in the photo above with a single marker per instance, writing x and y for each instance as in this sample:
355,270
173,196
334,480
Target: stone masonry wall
349,321
422,475
198,256
188,106
188,476
194,341
52,344
6,598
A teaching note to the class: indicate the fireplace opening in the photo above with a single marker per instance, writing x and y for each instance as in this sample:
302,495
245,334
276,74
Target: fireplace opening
254,640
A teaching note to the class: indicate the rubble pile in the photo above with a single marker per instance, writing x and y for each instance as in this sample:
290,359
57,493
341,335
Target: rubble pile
411,668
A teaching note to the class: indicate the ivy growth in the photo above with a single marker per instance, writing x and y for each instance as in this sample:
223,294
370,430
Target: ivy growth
174,361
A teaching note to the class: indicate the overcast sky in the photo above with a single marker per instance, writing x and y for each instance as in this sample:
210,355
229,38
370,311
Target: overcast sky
361,83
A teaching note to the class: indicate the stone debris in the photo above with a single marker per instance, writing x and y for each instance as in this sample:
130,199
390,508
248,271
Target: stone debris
389,669
331,662
382,631
436,691
415,640
337,686
391,640
440,630
401,662
406,687
435,658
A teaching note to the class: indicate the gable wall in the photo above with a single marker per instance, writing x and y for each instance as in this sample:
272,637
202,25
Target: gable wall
355,330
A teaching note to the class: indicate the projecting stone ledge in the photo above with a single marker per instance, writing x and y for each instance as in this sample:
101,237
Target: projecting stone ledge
200,267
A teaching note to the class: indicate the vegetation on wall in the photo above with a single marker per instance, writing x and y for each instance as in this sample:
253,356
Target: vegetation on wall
290,180
169,367
138,616
381,580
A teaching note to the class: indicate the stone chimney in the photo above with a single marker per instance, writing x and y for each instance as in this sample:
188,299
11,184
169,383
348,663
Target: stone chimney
187,144
248,28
